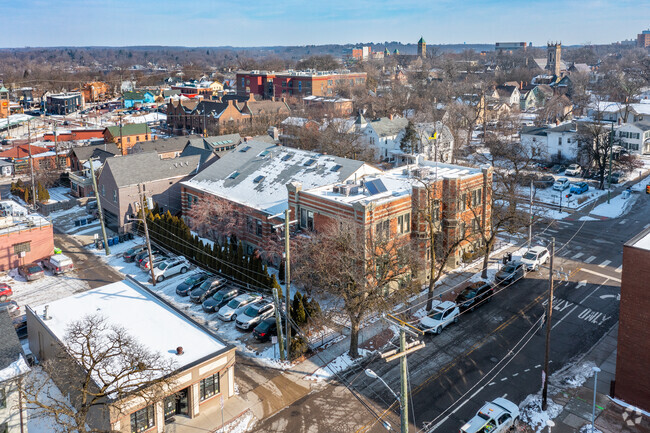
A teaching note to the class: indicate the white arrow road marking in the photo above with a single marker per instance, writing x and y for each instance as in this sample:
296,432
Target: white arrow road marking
618,297
582,283
623,221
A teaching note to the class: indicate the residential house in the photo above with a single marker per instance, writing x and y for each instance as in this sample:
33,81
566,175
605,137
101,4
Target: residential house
95,91
253,178
533,97
202,372
166,148
619,112
126,136
64,103
635,136
436,141
43,158
135,99
210,149
81,182
507,94
337,106
74,135
158,178
556,143
393,204
24,237
13,367
384,135
292,129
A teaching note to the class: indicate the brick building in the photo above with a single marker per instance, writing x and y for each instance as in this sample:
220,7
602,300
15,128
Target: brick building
643,39
74,135
125,136
392,203
295,83
43,158
253,178
23,238
632,378
64,103
95,91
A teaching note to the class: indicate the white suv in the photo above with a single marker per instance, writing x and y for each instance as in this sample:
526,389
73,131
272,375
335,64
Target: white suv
169,267
535,257
573,170
236,306
498,416
441,315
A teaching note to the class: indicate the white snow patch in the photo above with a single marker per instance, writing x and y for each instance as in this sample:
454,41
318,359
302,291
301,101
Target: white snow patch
618,206
240,425
15,369
588,218
532,414
337,365
37,420
587,429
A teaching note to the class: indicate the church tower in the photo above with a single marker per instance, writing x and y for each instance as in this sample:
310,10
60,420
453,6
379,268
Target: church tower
422,48
554,58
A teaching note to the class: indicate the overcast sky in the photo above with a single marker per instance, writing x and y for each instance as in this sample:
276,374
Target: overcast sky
303,22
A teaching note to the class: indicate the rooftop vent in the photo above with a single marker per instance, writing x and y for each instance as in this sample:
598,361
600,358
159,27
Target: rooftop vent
337,167
310,162
233,175
287,157
258,179
245,149
179,350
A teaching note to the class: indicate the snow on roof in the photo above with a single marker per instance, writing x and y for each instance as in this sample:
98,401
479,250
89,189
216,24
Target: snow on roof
614,107
150,321
15,369
643,242
233,176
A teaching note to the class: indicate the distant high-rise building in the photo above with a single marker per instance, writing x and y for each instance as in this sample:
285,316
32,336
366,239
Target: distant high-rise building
422,48
643,39
510,46
554,58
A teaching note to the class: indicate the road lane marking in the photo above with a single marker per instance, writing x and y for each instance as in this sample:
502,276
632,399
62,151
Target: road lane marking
491,383
565,253
600,275
527,370
582,283
505,378
552,231
538,365
605,263
623,221
619,269
577,256
590,259
515,375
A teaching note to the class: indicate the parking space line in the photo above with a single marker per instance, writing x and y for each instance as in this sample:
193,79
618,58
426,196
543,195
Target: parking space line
619,269
577,256
605,263
590,259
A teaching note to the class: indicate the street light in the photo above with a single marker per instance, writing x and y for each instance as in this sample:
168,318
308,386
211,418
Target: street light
593,408
371,374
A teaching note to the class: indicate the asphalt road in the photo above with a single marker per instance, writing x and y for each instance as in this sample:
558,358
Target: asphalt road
497,350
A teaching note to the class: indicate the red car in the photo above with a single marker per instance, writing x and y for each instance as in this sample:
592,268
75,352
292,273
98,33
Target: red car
5,291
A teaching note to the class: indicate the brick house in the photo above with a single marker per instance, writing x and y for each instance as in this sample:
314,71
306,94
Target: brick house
632,380
43,158
202,374
159,178
126,136
74,135
392,203
95,91
64,103
253,178
23,238
81,184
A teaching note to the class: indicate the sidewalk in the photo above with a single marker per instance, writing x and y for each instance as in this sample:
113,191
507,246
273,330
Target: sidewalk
577,403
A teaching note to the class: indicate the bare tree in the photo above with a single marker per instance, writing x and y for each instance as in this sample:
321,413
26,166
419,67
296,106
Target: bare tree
367,271
101,365
595,140
217,218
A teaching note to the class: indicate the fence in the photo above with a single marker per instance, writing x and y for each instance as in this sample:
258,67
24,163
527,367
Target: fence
47,208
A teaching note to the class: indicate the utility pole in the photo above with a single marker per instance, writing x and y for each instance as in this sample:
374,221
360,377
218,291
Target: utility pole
548,329
611,150
530,223
287,279
278,322
146,235
31,162
405,349
56,149
121,138
100,212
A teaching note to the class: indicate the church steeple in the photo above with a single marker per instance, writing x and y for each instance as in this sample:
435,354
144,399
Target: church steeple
422,48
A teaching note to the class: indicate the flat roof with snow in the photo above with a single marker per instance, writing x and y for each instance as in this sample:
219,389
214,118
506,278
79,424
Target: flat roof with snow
642,240
149,320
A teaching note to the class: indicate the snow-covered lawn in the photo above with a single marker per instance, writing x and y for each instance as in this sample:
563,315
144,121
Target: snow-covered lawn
576,201
618,206
37,421
58,194
337,365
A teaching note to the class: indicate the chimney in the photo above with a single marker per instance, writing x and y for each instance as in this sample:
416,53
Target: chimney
273,133
521,85
179,350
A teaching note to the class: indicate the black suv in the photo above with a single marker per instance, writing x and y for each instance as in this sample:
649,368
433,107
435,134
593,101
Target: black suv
511,271
206,289
267,328
474,295
219,299
191,283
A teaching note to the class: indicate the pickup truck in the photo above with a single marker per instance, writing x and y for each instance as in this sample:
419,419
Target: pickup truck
498,416
58,264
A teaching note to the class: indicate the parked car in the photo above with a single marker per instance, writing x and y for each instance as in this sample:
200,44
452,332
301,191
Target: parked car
266,329
157,259
442,314
206,289
579,188
573,170
498,416
170,267
254,314
511,271
561,184
545,181
219,299
557,169
5,291
535,257
616,176
230,311
12,307
31,271
544,166
191,283
58,264
142,255
474,295
131,253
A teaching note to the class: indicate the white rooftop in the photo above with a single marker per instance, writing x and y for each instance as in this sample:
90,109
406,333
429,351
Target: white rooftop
147,319
644,242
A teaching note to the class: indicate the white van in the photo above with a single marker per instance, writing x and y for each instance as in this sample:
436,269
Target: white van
58,264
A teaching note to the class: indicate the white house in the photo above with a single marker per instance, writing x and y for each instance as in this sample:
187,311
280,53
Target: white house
635,137
436,141
383,135
552,143
615,111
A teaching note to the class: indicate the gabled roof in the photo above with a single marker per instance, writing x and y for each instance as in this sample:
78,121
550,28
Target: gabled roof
172,144
135,96
147,167
11,352
643,125
534,130
22,151
129,129
234,175
208,147
385,127
267,107
506,91
84,153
